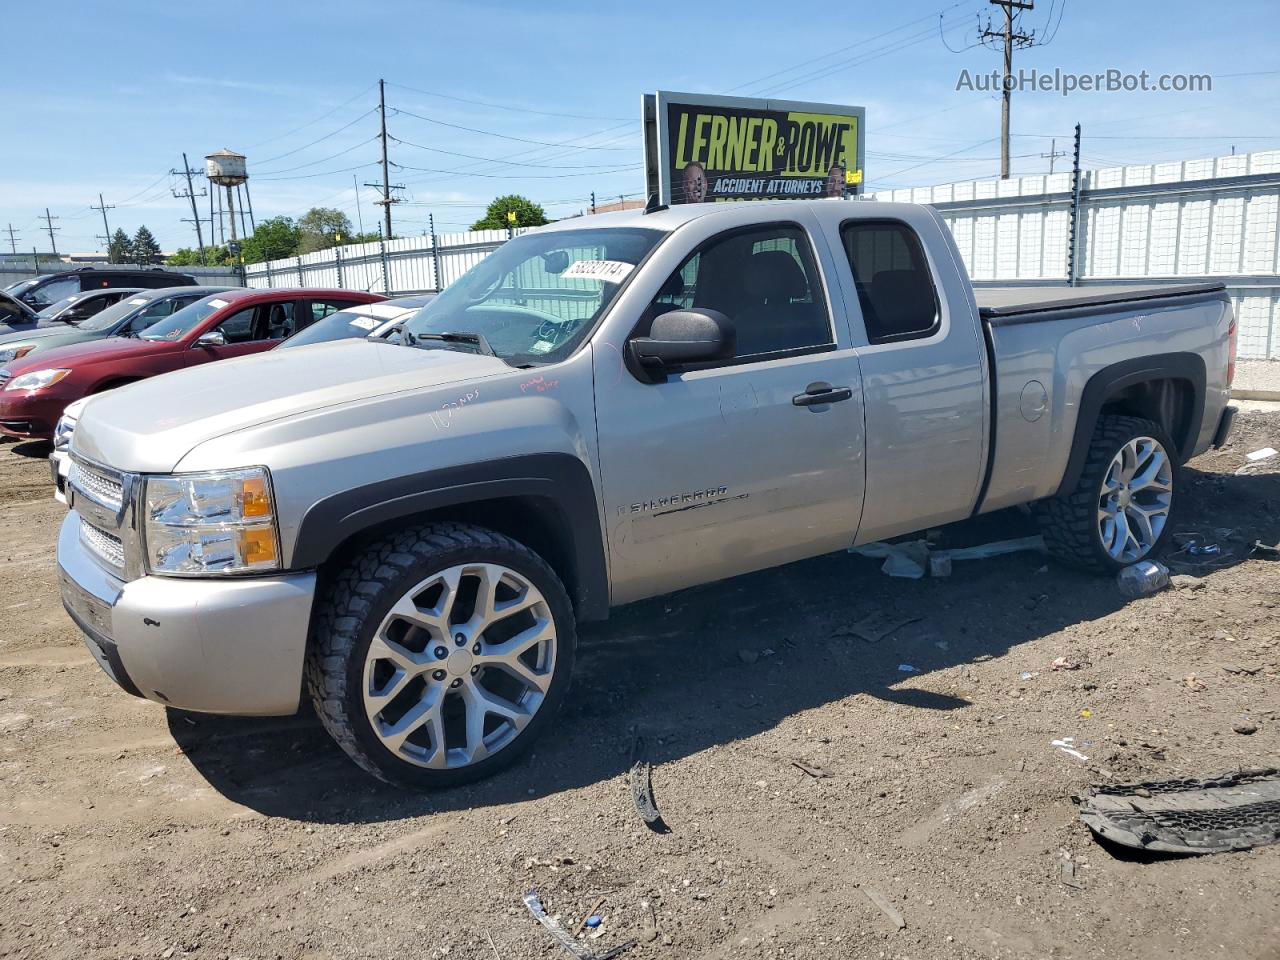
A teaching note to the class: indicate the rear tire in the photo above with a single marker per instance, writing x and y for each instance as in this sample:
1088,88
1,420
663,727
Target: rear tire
1120,509
440,654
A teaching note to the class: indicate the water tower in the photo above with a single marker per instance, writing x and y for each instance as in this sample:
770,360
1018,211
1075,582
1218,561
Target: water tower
226,168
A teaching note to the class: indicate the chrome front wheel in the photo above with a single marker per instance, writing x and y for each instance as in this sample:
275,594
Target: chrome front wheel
1135,499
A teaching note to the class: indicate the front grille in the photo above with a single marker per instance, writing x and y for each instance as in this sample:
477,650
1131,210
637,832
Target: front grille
107,489
107,547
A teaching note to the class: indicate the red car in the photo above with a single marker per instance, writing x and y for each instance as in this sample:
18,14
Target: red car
34,392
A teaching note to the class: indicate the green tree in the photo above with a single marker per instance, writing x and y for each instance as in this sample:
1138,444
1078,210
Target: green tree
144,248
320,228
120,249
190,257
273,240
528,214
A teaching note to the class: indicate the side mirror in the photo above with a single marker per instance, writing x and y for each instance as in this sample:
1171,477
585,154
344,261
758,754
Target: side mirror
214,338
682,337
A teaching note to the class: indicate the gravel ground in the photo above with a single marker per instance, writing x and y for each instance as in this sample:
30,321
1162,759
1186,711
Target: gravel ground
131,831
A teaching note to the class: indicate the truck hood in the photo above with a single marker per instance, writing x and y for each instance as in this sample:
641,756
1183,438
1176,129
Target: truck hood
151,425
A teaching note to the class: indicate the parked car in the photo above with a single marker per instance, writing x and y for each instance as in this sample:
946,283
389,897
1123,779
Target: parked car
35,390
40,292
363,320
592,415
128,317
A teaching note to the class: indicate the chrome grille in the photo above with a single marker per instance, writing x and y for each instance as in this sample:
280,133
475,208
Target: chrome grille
105,488
107,547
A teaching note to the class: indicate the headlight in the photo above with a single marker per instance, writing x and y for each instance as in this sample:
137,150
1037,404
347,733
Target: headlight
37,380
208,524
14,353
62,432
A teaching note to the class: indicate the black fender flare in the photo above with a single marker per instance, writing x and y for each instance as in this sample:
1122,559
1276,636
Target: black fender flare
1110,380
559,480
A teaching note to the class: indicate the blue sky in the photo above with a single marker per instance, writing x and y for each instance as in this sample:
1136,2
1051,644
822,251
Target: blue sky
105,97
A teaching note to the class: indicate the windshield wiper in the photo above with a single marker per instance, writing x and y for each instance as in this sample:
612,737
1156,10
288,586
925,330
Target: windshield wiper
476,340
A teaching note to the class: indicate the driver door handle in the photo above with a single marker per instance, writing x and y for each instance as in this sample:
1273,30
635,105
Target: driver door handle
816,394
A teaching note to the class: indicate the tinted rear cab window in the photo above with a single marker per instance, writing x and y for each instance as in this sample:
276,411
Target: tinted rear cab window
895,287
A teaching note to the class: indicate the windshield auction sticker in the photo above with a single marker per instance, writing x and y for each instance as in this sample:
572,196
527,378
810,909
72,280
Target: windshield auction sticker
728,148
610,271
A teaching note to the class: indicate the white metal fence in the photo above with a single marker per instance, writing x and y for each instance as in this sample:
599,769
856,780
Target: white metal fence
1214,219
400,266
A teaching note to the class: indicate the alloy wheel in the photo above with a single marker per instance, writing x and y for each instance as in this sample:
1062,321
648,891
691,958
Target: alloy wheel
1134,502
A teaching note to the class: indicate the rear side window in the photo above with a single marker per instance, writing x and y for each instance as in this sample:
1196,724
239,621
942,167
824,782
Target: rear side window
895,288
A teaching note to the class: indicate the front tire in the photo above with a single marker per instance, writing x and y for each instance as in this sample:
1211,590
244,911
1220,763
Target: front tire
440,654
1119,511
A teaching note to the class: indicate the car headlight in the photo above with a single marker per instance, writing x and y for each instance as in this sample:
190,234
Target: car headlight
37,380
62,432
211,524
14,353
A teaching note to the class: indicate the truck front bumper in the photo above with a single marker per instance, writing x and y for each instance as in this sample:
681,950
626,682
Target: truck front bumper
232,646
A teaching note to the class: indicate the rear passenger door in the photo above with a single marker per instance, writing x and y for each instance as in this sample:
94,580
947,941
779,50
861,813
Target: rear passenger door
924,376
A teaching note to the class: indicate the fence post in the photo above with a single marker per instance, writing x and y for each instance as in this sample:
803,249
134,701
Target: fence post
337,260
386,271
267,264
435,254
35,260
1076,227
301,282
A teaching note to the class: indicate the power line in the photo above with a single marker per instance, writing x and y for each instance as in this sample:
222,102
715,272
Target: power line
312,163
523,176
13,240
501,106
387,200
502,136
191,195
331,133
515,163
281,136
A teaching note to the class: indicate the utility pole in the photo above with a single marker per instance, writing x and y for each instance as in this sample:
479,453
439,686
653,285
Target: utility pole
1010,38
386,185
106,230
48,221
359,211
195,216
1053,152
13,241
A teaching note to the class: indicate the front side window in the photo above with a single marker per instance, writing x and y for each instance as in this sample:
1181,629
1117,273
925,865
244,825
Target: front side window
185,320
895,288
536,297
764,280
109,317
239,327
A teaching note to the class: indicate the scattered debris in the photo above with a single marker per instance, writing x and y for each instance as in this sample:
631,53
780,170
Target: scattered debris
1143,578
1238,668
1263,551
881,901
1065,663
1185,581
874,627
1192,682
590,915
1067,871
907,668
1067,746
816,772
1264,454
1245,727
594,921
1235,811
1203,549
1028,675
641,780
1086,713
563,937
912,558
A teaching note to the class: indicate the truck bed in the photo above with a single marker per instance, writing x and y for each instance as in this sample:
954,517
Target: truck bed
1026,304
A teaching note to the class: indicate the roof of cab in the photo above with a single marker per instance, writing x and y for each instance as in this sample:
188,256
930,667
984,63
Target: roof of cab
681,213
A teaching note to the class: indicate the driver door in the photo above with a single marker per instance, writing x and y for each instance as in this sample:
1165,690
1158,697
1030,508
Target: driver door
722,469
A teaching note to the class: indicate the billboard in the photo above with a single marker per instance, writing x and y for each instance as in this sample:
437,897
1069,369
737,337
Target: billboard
702,148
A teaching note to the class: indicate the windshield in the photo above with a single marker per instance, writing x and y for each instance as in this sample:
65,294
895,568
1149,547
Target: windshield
108,318
185,320
348,324
535,297
51,311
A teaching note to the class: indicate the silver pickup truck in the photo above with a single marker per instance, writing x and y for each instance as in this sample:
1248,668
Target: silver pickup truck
604,410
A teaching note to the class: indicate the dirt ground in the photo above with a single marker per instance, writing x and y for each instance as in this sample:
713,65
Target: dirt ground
129,831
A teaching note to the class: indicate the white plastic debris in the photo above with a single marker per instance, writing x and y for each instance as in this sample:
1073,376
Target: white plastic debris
907,668
1143,578
1263,454
912,558
1067,746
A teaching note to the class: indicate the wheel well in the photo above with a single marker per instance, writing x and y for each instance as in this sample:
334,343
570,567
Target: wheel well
1169,402
537,522
112,384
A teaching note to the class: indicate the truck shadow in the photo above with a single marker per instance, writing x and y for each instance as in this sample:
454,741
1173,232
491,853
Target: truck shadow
717,664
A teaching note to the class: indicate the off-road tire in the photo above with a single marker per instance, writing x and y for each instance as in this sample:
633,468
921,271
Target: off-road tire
358,598
1069,521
